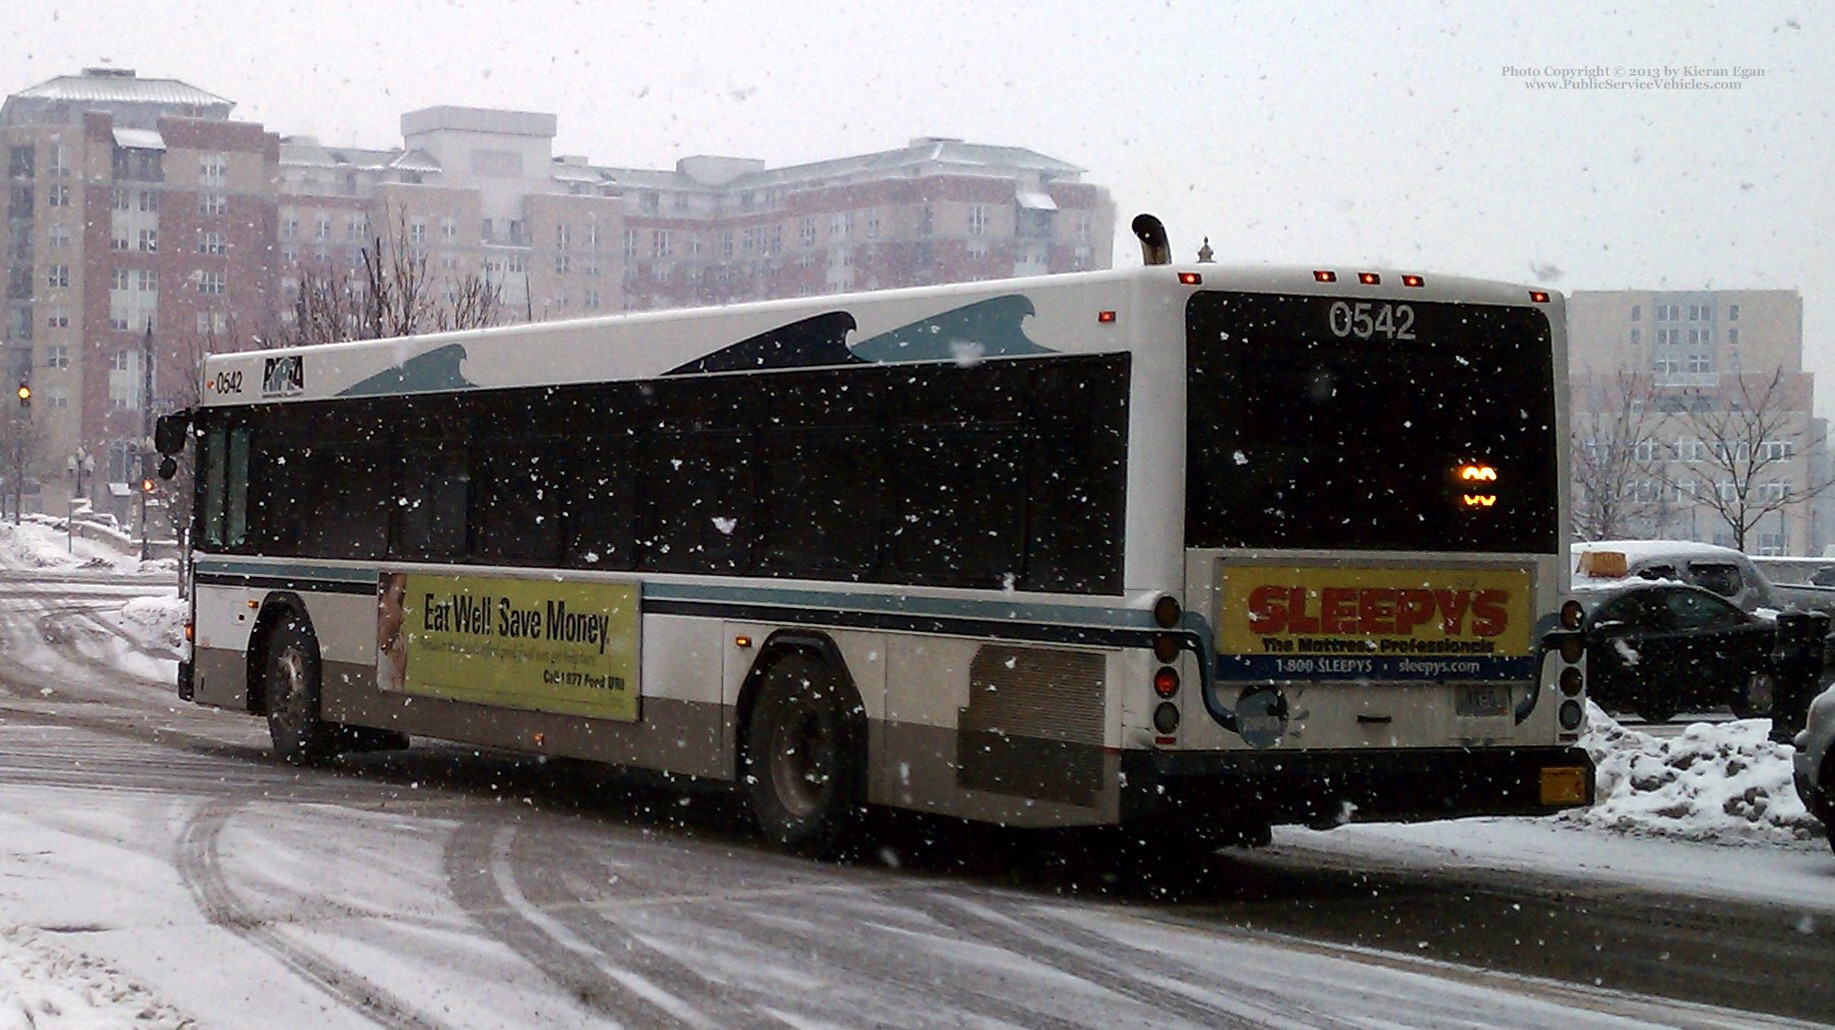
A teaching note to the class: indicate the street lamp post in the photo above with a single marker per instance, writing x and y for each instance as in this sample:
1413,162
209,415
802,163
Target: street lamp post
144,449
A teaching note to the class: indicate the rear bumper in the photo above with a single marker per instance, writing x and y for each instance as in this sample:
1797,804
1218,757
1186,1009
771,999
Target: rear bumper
1330,787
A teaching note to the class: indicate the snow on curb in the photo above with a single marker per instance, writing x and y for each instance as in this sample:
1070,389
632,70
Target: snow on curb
43,986
1715,782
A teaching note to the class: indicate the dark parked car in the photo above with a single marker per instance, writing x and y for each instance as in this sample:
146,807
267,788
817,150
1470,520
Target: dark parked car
1659,648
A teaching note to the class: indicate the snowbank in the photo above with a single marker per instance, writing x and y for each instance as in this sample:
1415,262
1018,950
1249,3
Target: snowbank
1716,782
44,987
40,542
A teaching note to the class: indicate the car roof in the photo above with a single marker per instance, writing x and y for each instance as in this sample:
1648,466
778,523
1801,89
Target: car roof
1636,551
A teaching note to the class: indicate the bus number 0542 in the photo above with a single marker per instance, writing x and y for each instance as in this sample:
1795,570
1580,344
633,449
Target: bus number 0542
1365,320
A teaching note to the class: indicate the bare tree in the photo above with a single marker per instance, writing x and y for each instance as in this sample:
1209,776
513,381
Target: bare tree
394,293
1754,444
1617,463
22,444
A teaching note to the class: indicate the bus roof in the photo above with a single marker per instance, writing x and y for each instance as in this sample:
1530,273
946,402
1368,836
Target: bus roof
1033,316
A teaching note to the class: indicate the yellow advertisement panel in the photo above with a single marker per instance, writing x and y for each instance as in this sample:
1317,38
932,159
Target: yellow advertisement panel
1315,621
568,648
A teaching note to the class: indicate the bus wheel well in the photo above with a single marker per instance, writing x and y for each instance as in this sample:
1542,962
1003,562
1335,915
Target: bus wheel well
275,608
777,647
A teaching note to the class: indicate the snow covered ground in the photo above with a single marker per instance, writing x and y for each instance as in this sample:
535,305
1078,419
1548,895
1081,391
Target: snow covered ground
1710,811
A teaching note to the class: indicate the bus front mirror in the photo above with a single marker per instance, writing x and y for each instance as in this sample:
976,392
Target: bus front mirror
169,432
168,467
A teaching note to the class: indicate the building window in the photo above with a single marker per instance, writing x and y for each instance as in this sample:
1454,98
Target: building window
1637,337
289,227
417,232
57,356
149,241
1637,312
661,243
212,204
210,242
1699,363
809,232
978,220
149,280
57,397
57,196
124,279
147,200
122,361
58,237
449,229
59,318
1732,312
19,162
592,300
630,244
57,276
323,229
210,283
213,169
562,264
1733,337
213,322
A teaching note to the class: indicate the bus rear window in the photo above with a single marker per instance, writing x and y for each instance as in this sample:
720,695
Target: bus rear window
1325,422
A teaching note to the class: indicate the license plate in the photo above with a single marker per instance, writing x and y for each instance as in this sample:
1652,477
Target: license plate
1482,702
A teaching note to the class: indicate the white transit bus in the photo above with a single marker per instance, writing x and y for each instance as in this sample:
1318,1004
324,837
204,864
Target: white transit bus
1178,547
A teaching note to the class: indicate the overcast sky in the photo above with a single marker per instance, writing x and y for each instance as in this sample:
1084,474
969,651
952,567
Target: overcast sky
1286,132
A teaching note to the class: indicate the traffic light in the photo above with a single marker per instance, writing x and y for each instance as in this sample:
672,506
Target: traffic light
25,394
147,485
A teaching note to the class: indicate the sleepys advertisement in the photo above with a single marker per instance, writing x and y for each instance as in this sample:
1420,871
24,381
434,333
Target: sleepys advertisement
568,648
1281,622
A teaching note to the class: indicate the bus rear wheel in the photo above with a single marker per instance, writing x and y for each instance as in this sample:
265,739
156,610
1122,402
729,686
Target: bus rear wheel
805,758
291,681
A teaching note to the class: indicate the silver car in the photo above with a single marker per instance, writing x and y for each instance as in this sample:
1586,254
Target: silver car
1815,761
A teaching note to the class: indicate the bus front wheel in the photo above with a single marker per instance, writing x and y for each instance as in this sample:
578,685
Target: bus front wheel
805,758
292,695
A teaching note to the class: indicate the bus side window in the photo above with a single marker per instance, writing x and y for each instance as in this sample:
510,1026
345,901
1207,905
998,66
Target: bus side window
215,462
598,505
235,489
430,516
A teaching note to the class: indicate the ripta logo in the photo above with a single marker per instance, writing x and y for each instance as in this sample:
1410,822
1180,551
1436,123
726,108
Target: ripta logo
284,377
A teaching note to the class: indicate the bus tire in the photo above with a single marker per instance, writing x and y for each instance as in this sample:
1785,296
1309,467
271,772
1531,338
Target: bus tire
805,757
291,687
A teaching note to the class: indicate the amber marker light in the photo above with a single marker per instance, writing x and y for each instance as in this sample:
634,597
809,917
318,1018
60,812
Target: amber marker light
1105,317
1369,278
1539,296
1413,280
1191,279
742,641
1323,276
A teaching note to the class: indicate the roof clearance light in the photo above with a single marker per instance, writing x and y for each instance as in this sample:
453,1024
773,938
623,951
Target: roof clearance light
1369,278
1539,296
1323,276
1190,279
1413,280
1105,317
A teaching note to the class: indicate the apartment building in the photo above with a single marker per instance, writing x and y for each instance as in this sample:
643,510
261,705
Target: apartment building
1692,356
139,227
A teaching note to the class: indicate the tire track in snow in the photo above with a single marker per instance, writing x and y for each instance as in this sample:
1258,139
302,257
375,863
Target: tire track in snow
645,989
199,864
1096,961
